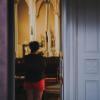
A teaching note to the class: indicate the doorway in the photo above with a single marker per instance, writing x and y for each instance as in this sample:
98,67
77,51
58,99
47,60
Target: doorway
39,20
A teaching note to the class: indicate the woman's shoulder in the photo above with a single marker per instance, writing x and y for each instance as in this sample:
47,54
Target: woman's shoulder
27,56
40,54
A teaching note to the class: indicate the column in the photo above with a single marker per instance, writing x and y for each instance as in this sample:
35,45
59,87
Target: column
49,33
46,29
32,15
34,19
16,26
57,34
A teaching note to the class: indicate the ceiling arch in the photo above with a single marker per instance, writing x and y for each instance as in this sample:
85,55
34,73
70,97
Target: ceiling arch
40,3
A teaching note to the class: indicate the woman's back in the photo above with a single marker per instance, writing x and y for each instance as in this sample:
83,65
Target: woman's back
35,67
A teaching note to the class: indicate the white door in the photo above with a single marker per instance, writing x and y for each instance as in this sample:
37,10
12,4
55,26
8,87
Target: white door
88,49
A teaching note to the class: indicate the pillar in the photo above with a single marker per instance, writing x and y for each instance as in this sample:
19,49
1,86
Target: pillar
57,34
34,19
57,27
16,26
32,15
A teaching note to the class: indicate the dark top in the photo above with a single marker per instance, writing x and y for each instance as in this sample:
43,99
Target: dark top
35,67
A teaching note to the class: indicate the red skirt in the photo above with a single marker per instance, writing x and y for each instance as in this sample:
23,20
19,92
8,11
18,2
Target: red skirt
40,85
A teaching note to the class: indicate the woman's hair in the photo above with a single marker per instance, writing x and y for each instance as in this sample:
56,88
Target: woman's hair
34,46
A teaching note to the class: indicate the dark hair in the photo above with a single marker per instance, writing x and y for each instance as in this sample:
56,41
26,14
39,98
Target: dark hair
34,46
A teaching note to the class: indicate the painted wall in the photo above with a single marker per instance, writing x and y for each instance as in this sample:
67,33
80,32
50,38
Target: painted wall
25,13
3,49
23,25
23,21
41,21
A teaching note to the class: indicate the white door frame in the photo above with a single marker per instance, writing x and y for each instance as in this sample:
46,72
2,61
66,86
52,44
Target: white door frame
65,47
69,46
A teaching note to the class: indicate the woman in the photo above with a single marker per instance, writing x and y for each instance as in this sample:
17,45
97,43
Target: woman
35,67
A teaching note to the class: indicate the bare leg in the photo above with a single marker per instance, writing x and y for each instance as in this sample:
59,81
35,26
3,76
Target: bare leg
37,95
29,94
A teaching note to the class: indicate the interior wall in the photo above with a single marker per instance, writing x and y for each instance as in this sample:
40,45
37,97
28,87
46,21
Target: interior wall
40,23
52,26
27,15
23,25
23,21
3,50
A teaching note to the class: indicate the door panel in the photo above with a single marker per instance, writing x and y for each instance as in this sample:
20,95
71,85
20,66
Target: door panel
88,50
